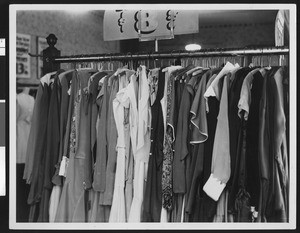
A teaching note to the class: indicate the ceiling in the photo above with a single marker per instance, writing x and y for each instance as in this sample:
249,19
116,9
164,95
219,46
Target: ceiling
219,17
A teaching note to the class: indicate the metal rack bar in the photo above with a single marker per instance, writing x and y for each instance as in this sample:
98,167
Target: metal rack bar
174,54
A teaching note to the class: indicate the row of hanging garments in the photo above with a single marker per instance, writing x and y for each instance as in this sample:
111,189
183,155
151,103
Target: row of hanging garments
169,144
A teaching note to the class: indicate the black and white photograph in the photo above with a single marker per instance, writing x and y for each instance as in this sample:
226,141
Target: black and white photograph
151,117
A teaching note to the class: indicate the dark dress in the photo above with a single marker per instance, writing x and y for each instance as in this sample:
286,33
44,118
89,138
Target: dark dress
101,154
93,93
64,106
235,133
52,150
252,166
206,206
175,106
264,150
198,137
35,192
182,158
271,158
153,193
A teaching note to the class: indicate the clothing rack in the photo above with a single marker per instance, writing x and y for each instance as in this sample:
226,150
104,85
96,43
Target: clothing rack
52,59
283,50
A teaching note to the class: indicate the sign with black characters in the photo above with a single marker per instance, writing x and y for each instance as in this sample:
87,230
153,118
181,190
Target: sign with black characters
148,24
23,59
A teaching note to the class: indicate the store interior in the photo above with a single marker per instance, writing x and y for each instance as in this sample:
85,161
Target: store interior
80,33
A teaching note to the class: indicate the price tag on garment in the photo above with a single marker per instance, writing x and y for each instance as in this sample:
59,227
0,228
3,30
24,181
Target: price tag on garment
148,24
64,166
213,187
69,91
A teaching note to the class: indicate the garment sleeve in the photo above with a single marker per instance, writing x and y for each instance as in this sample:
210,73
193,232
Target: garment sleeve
220,167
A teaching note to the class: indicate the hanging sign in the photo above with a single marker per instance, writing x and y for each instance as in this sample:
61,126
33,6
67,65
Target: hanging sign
148,24
41,45
23,59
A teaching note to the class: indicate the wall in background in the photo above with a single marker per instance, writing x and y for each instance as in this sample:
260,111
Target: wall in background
216,36
77,33
81,33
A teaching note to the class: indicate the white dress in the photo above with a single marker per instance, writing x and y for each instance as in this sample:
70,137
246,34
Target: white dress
25,104
118,210
141,153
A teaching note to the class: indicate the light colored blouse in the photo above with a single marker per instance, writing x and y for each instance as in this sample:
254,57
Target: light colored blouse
25,104
141,155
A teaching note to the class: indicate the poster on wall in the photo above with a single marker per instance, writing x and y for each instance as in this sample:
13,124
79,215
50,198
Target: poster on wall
2,69
148,24
41,45
23,59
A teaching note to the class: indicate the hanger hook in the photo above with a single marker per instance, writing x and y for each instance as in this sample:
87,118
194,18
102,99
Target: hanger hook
127,56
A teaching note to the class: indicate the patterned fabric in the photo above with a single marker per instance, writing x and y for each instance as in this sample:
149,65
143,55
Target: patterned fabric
74,125
153,84
168,154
